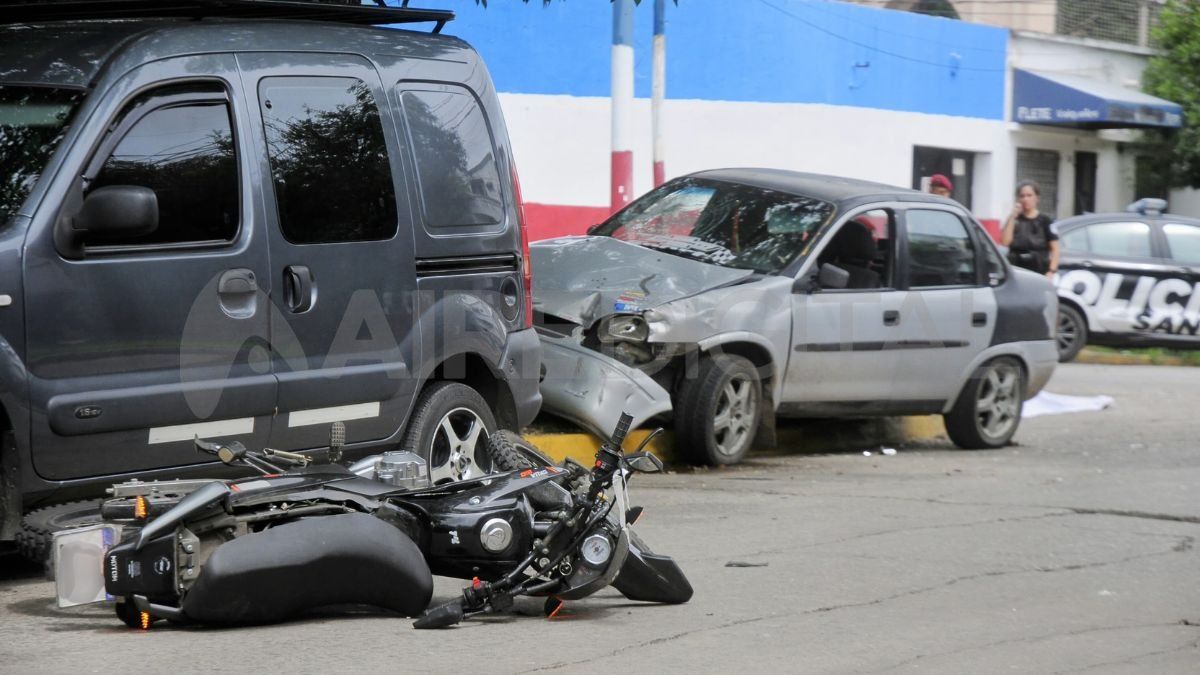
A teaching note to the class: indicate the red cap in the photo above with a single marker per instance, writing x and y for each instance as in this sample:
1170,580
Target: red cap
938,180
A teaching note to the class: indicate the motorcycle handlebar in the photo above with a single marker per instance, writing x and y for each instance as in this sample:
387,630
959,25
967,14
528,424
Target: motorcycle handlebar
618,436
442,616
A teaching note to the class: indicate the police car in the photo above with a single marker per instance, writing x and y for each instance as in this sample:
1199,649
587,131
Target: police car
1129,279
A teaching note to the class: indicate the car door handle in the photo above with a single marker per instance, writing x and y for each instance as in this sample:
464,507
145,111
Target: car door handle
979,319
891,317
237,282
299,288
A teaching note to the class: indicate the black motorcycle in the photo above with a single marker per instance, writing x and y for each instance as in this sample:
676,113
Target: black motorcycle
304,535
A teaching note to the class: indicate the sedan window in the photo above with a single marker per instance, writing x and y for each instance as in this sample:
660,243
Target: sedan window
940,252
1184,242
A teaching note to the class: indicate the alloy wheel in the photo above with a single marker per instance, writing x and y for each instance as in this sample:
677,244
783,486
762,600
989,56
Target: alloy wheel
998,403
458,450
737,413
1067,333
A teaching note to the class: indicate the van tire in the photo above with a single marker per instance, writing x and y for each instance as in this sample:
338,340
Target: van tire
995,390
38,526
701,399
426,437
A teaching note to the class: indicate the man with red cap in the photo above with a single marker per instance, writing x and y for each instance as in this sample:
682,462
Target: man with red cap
940,185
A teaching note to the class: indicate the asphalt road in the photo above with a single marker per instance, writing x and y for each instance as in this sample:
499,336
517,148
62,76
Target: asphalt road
1074,551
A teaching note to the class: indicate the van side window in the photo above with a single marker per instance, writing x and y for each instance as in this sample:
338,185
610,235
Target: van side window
940,252
185,153
455,157
329,160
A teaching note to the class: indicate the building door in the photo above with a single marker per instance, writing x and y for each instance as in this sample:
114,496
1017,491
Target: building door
1040,166
1085,182
957,165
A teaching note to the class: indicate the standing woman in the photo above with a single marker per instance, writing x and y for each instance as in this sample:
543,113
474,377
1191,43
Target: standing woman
1031,242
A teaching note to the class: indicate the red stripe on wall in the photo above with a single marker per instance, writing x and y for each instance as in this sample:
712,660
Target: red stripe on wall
547,221
992,226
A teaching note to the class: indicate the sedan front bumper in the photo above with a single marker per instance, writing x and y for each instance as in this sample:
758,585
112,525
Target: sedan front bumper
592,390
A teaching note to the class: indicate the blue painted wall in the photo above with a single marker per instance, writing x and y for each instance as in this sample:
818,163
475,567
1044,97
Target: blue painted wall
796,51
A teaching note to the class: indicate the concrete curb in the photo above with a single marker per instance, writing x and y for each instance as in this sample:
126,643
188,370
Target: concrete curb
794,437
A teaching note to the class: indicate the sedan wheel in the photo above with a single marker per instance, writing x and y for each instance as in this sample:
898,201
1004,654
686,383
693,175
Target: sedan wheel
737,407
717,412
988,410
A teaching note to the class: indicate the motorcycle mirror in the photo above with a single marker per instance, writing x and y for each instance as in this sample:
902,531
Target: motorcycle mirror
644,462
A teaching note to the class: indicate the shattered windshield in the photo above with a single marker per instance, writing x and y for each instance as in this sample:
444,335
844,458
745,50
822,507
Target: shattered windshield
32,122
721,223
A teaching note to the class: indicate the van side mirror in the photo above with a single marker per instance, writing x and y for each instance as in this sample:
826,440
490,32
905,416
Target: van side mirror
129,210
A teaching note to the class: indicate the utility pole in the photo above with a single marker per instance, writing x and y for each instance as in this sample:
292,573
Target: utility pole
658,89
622,104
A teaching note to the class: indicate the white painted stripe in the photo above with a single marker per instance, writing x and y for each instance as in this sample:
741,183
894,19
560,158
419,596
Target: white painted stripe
5,300
341,413
658,91
622,98
186,432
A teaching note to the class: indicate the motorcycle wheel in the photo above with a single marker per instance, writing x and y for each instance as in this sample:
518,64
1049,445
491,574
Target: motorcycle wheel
38,526
511,452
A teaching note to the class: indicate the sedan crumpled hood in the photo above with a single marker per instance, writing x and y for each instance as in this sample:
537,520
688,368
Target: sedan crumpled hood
582,279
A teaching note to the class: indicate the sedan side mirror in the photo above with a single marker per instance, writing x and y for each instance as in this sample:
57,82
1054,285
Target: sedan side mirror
832,276
129,210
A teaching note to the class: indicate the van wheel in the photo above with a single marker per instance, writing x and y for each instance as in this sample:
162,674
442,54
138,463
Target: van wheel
1071,333
717,412
38,526
988,410
510,452
450,430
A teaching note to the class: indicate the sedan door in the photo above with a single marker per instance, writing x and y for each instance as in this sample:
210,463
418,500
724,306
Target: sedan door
948,312
1180,304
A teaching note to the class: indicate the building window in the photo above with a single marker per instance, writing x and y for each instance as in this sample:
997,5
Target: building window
1041,167
957,165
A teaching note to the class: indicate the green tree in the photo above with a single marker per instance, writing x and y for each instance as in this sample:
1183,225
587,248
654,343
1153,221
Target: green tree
1174,74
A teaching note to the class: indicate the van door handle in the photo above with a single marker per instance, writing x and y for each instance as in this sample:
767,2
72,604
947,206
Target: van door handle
299,288
237,282
891,317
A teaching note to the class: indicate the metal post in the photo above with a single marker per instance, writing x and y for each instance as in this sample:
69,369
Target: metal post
659,88
622,104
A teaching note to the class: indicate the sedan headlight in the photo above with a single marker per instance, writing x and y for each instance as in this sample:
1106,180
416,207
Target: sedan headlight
625,327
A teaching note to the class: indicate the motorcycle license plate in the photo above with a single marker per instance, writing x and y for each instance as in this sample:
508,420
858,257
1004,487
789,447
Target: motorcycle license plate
78,559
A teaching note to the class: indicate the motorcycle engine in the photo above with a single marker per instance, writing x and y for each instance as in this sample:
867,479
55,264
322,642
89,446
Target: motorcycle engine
400,468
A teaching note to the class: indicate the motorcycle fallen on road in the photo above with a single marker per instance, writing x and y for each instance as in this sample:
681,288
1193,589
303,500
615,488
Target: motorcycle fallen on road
302,536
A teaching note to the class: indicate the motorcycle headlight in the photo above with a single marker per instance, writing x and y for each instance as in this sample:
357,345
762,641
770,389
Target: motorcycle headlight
626,327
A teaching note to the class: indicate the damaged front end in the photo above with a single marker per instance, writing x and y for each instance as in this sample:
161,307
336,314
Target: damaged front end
591,297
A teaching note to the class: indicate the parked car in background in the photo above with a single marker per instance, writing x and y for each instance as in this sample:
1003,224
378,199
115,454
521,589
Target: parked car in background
1129,279
728,297
218,226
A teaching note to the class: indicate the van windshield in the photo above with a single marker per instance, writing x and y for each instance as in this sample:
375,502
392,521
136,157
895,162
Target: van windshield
32,122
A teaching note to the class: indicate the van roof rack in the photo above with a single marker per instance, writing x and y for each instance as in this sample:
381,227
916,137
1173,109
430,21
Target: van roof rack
341,11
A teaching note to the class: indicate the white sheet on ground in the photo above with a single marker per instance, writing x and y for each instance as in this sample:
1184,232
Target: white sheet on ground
1047,403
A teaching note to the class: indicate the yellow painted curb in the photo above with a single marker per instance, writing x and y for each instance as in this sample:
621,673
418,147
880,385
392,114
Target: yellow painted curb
808,436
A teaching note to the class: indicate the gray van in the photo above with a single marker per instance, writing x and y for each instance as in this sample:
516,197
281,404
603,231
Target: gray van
222,220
